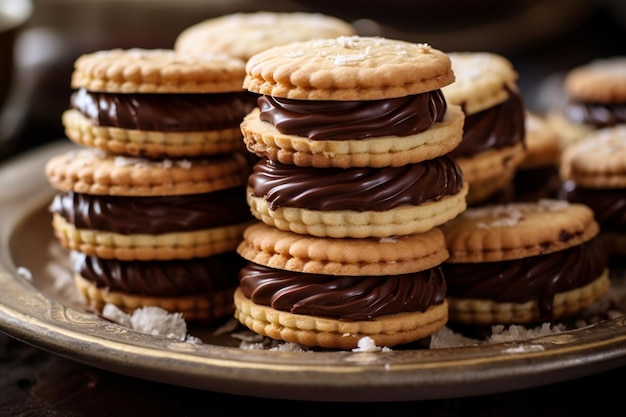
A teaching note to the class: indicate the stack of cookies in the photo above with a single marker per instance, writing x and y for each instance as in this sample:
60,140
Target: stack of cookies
493,144
354,178
152,205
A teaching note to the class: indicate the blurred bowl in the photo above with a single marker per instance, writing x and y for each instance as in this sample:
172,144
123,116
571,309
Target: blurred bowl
13,15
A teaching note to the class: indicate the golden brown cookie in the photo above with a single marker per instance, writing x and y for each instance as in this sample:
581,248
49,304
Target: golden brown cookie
594,173
279,249
92,171
200,289
323,332
157,103
348,68
139,70
520,229
244,34
524,262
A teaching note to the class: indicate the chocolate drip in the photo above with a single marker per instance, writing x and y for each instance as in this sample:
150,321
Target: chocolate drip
598,115
161,278
153,215
360,189
497,127
164,112
608,205
350,298
337,120
534,278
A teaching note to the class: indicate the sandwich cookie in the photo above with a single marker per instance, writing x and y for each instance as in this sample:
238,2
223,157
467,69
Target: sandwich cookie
594,98
157,103
493,145
244,34
357,202
523,262
594,173
351,102
139,209
330,293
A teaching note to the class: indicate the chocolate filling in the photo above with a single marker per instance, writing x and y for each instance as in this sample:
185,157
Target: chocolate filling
164,112
360,189
534,278
153,215
608,205
161,278
340,120
598,115
494,128
349,298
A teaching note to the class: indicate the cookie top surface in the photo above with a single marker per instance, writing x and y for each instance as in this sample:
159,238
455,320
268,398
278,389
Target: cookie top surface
481,80
92,171
245,34
601,80
518,230
139,70
348,68
269,246
598,160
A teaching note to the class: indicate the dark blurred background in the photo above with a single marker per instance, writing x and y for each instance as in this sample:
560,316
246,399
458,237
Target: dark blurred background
543,39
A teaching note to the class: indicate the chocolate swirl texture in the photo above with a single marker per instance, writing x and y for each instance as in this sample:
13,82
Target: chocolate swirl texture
153,215
164,112
608,205
598,115
350,298
360,189
341,120
494,128
161,278
534,278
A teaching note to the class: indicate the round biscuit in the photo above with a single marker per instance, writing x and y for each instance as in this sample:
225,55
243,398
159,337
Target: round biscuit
602,81
147,247
517,230
598,160
138,70
245,34
92,171
481,80
403,220
477,311
265,140
348,68
329,333
269,246
153,144
200,307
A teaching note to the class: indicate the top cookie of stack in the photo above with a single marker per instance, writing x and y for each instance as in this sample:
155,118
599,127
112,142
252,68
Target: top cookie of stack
157,103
